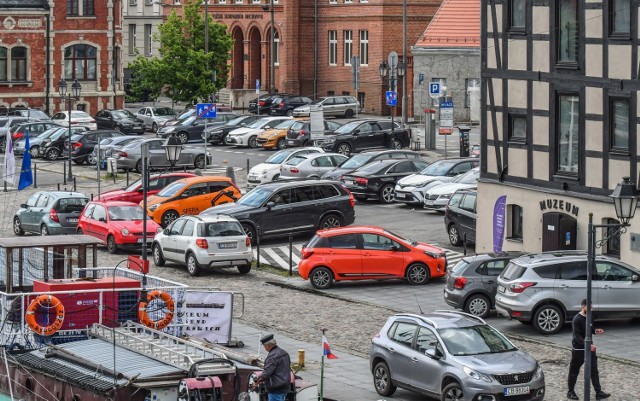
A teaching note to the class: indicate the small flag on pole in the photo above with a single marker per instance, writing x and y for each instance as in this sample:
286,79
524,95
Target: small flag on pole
9,162
326,351
26,175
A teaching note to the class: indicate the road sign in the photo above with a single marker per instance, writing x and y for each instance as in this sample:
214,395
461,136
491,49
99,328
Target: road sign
206,110
257,86
420,78
446,118
434,89
446,105
392,98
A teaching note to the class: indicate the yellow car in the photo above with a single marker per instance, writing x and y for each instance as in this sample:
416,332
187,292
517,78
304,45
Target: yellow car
190,196
276,137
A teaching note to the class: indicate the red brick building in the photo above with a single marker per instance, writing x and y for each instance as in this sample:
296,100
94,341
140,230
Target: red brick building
42,42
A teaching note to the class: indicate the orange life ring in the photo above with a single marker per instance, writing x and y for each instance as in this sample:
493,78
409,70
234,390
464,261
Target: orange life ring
162,323
45,301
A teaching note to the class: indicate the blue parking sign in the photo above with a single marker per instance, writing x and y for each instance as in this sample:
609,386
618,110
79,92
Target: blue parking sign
392,98
434,88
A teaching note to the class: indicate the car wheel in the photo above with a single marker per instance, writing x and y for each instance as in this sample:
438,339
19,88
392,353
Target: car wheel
44,230
199,161
453,392
321,278
281,144
330,221
548,319
118,128
418,274
154,127
397,144
244,269
111,244
454,235
17,227
34,151
192,265
386,194
79,231
91,159
252,142
250,231
53,154
158,259
382,380
290,113
168,217
478,305
139,166
183,137
348,114
344,149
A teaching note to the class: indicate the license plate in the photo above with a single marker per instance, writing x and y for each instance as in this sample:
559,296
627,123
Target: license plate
400,195
140,240
516,390
290,142
349,182
501,289
228,245
73,220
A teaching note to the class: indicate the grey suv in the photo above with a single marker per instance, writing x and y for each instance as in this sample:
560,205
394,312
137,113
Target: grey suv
545,289
452,356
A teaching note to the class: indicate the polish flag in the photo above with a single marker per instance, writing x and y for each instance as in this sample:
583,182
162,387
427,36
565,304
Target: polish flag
326,351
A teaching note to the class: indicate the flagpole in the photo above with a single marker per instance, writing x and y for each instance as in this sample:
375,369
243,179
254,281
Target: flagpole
321,397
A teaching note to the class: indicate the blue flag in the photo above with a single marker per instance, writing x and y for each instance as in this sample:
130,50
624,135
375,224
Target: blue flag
26,176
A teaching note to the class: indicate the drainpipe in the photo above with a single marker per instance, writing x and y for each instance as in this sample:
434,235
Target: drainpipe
315,49
47,75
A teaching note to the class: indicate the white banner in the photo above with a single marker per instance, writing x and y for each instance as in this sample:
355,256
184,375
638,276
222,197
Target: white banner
316,114
208,315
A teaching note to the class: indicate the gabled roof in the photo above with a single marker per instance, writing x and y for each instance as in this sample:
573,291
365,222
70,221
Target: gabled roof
456,24
38,4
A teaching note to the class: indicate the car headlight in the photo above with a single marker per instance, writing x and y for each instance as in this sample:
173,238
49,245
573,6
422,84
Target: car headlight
445,196
329,140
153,207
159,230
422,184
476,375
538,373
208,153
435,255
170,129
124,232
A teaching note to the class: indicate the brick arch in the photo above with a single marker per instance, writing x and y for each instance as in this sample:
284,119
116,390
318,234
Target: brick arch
237,58
254,39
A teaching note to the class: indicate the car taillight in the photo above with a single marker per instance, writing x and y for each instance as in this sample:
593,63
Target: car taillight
16,136
261,103
519,287
76,145
202,243
460,282
247,241
281,105
53,215
122,154
306,253
362,181
294,170
301,133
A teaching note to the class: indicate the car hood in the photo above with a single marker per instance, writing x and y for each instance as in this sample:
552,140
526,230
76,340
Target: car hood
129,121
262,167
273,132
134,225
244,131
232,209
416,179
500,362
449,188
155,199
426,247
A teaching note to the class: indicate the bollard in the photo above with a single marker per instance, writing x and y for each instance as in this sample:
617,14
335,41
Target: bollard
127,177
74,184
35,175
464,243
290,254
301,358
5,186
258,246
64,173
231,174
58,186
247,166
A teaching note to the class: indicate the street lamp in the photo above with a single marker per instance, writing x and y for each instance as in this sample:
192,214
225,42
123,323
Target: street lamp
625,201
75,90
272,76
172,149
391,71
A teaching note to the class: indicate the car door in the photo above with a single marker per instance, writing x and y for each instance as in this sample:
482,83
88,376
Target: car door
467,216
401,352
426,371
141,114
378,136
86,221
489,272
39,210
102,119
381,256
618,290
278,219
169,242
322,164
363,137
329,107
344,256
99,225
571,284
218,191
183,240
27,217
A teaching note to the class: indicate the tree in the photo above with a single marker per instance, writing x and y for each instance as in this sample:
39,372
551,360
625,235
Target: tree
184,71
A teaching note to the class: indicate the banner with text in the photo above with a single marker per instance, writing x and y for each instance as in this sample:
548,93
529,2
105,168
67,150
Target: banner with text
499,223
207,315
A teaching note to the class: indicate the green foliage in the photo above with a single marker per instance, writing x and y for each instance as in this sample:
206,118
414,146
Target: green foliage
184,71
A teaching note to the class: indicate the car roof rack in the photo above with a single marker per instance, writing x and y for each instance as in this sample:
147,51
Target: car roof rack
457,312
421,317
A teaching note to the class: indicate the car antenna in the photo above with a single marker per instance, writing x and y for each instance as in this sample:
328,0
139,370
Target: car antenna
418,302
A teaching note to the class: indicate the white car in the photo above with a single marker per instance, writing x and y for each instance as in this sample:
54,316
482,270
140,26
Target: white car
411,189
438,196
78,118
270,169
246,136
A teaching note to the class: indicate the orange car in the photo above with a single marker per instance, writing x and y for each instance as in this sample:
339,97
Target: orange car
368,253
190,196
276,137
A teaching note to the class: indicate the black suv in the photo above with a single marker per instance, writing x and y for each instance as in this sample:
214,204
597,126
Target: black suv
360,135
216,134
460,217
283,106
262,104
120,120
281,207
299,134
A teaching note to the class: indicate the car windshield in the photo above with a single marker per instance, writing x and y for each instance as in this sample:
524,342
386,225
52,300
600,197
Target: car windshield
294,161
186,114
172,189
188,120
50,132
439,168
58,134
259,123
285,124
125,213
470,177
223,229
237,120
318,101
134,186
255,197
355,161
105,141
76,137
163,111
475,340
123,114
3,121
279,157
348,127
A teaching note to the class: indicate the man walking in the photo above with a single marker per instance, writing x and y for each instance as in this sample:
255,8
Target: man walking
579,326
276,374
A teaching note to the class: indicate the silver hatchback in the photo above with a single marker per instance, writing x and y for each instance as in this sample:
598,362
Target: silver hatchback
452,356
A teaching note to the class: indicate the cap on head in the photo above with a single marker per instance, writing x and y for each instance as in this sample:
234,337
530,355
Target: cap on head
266,338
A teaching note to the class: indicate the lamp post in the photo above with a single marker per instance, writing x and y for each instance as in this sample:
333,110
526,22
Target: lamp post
391,71
172,149
75,90
272,75
625,201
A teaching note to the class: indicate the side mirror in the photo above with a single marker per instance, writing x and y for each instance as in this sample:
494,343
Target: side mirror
141,190
102,219
433,354
24,206
356,132
394,248
635,278
165,231
270,205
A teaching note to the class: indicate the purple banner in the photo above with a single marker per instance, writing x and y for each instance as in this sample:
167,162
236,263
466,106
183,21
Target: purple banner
499,223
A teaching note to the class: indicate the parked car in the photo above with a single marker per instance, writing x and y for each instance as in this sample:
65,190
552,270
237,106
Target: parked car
216,135
262,104
247,136
275,137
154,117
283,106
191,129
204,242
34,128
118,224
133,193
270,169
359,160
284,207
78,117
437,197
368,253
412,189
360,135
6,124
119,120
452,356
50,212
55,146
191,111
107,145
129,157
312,165
190,196
82,144
475,150
299,134
546,289
35,143
473,282
460,217
344,106
32,114
377,179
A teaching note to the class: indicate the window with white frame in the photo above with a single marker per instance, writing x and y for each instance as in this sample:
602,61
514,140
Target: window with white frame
276,45
364,47
333,2
472,86
333,47
256,1
148,41
132,38
4,61
348,46
13,63
239,1
133,2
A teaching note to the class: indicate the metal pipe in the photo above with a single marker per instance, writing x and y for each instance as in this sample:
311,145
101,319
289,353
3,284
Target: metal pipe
69,111
404,59
315,49
591,250
272,78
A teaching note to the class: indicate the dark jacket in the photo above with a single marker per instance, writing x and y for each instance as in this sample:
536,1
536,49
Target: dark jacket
579,325
276,374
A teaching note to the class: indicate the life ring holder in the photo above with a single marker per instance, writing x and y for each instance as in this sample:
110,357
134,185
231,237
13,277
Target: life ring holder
45,301
168,317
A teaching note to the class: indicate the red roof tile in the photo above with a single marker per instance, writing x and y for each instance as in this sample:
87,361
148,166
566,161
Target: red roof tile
456,24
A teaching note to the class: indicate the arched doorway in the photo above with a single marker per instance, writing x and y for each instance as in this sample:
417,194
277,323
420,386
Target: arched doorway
237,59
255,57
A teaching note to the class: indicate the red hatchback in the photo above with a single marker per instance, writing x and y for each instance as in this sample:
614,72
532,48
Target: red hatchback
368,253
118,224
133,193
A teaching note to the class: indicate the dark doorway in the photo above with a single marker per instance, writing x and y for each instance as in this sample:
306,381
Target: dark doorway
237,59
558,232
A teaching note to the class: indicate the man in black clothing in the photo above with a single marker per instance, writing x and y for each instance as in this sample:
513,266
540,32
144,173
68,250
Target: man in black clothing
276,374
579,326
